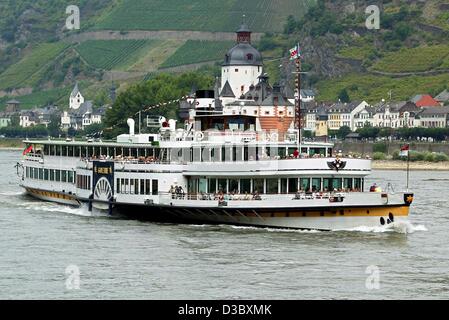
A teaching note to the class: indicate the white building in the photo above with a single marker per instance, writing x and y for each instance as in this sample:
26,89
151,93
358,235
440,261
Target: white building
242,66
76,98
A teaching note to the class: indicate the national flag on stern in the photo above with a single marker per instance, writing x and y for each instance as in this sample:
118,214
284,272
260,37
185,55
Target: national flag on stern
404,150
295,52
27,150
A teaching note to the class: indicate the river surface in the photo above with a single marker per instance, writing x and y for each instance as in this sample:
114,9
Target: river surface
45,246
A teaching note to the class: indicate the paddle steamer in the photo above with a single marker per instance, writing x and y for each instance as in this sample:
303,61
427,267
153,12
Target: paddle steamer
238,159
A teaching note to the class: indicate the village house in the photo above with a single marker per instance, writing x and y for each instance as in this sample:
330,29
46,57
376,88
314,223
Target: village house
425,100
434,117
443,98
81,113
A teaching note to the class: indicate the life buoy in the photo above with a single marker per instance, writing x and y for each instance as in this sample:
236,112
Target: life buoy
199,136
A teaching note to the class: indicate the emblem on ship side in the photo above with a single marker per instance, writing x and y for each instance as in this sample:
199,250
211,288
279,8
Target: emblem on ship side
337,164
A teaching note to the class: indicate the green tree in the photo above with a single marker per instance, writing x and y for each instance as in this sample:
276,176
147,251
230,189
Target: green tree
163,88
54,125
343,96
343,132
290,25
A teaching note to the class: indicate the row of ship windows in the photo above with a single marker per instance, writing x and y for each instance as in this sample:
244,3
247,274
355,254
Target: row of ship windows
137,186
274,185
50,174
124,185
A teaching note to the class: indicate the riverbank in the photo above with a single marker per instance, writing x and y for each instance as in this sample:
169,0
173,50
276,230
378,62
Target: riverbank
11,144
416,165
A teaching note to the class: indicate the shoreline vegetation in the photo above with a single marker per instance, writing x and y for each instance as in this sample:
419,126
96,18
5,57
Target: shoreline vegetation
414,166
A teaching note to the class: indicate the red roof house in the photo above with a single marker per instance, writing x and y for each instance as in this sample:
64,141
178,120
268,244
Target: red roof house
427,101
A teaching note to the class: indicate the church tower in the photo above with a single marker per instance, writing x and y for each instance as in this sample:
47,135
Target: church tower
76,98
242,65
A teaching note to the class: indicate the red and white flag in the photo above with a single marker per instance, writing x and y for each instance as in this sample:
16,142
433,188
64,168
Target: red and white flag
295,53
404,150
27,150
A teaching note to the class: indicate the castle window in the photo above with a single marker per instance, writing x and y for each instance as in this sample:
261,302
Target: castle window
249,56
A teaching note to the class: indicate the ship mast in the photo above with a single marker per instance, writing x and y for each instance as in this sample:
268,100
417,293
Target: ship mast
298,123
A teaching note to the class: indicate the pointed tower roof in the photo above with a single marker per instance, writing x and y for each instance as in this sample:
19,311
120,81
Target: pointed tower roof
75,90
227,91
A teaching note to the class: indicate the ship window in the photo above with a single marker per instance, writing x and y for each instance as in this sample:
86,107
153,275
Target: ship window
272,186
126,185
292,185
236,70
258,185
316,184
70,175
304,184
233,185
357,184
136,186
222,185
284,186
45,174
212,185
122,186
147,186
58,175
64,176
142,186
118,185
155,187
347,183
41,174
131,186
245,186
327,184
336,184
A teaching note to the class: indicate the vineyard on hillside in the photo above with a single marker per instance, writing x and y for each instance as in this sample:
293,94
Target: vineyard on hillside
373,88
415,59
200,15
195,51
41,98
19,74
111,54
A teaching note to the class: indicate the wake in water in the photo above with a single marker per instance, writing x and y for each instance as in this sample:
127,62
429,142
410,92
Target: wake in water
24,201
398,227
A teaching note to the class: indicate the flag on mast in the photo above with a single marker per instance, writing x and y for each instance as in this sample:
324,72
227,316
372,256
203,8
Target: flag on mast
27,150
404,150
295,52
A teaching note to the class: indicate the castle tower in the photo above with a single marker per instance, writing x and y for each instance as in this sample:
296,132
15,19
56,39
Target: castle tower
242,65
76,98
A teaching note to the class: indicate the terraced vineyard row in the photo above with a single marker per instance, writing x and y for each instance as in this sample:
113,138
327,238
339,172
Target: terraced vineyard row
200,15
18,74
196,51
415,59
110,54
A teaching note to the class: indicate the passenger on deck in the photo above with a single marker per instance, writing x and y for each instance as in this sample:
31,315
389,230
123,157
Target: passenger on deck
296,153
